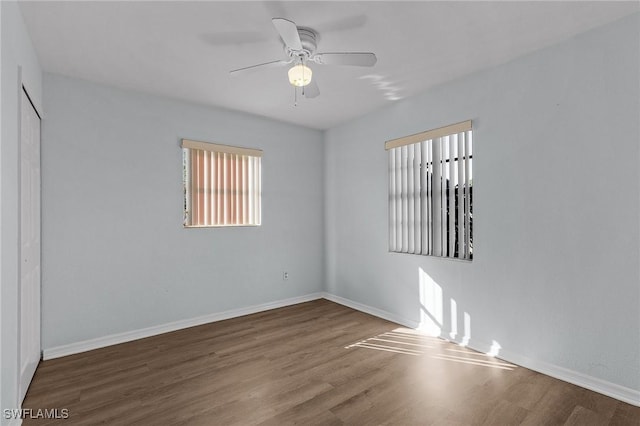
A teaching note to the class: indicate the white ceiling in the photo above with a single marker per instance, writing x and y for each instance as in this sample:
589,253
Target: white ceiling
185,50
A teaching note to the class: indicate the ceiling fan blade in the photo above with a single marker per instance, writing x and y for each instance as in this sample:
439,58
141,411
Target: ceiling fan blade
311,90
288,32
360,59
259,66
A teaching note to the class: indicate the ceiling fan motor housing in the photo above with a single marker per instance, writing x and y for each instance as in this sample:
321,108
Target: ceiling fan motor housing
309,41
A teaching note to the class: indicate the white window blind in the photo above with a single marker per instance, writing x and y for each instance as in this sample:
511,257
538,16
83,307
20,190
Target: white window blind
431,192
222,185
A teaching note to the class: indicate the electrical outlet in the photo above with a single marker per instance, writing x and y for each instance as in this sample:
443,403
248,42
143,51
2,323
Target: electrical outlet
285,275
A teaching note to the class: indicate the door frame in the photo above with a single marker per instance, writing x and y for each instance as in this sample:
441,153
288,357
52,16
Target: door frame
22,89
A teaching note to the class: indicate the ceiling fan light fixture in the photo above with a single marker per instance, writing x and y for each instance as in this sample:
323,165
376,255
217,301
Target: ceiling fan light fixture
300,75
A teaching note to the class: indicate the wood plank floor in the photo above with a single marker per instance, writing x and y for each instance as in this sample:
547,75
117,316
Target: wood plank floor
312,363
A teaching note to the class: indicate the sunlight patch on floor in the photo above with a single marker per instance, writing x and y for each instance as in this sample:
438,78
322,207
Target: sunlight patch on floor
400,340
407,341
474,361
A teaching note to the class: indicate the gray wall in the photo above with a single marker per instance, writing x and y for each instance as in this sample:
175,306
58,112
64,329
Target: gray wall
19,67
556,236
115,255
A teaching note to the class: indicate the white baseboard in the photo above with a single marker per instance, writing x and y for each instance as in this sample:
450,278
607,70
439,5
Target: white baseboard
128,336
371,310
622,393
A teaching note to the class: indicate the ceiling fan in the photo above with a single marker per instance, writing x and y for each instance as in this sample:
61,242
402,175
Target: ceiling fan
300,44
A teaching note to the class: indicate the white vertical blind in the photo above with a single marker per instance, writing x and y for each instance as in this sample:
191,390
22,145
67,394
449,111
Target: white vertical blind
436,191
468,197
398,172
451,199
430,193
425,227
222,185
417,203
461,179
410,198
392,200
429,222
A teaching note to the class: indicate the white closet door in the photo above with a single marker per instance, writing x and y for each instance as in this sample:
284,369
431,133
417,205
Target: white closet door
29,318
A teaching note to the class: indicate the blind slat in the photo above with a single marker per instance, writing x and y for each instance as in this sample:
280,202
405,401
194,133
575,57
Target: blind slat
220,188
244,189
392,201
443,197
194,188
437,198
451,211
467,226
405,201
399,199
233,188
258,193
225,189
200,201
411,242
417,200
424,196
239,194
430,196
206,188
250,186
461,226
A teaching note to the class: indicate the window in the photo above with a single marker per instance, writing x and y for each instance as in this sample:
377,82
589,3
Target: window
222,185
431,192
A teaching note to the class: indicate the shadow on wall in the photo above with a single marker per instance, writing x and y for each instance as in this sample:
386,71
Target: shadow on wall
432,318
